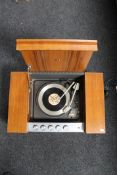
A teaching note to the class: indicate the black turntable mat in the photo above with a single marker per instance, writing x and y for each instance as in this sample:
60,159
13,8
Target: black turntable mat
46,103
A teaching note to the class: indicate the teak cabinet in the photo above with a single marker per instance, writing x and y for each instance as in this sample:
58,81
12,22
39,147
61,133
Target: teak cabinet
56,55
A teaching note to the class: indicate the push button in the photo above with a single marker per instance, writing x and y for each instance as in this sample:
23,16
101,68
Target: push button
50,127
65,127
58,127
35,127
42,127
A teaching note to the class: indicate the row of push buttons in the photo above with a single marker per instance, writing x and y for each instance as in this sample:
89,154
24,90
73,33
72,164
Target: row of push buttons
50,127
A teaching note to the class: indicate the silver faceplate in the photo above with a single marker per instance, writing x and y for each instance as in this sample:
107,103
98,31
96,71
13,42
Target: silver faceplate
55,127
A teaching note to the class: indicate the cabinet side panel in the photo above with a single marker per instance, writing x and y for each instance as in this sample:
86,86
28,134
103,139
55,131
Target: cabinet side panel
18,103
94,103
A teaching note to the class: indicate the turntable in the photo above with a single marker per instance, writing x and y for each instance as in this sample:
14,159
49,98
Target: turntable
56,94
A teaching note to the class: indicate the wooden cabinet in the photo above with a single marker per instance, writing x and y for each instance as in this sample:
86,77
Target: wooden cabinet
56,56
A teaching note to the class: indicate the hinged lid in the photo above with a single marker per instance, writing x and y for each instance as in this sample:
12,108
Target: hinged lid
56,54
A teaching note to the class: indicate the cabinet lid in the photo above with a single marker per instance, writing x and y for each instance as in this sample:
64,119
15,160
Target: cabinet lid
64,55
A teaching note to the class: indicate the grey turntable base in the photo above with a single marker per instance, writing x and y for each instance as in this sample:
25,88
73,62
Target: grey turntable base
38,82
41,79
42,122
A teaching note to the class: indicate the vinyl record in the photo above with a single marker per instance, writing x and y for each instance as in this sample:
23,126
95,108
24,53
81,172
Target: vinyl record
49,99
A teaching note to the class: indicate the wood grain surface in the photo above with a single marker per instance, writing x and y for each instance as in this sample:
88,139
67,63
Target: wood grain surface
94,103
18,103
56,44
56,55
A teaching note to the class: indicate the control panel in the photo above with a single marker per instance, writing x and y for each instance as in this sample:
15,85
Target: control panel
55,127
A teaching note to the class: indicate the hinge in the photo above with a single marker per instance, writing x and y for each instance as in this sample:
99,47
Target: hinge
29,80
29,68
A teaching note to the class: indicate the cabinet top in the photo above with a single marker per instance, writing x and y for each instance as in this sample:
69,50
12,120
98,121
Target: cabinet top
69,55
